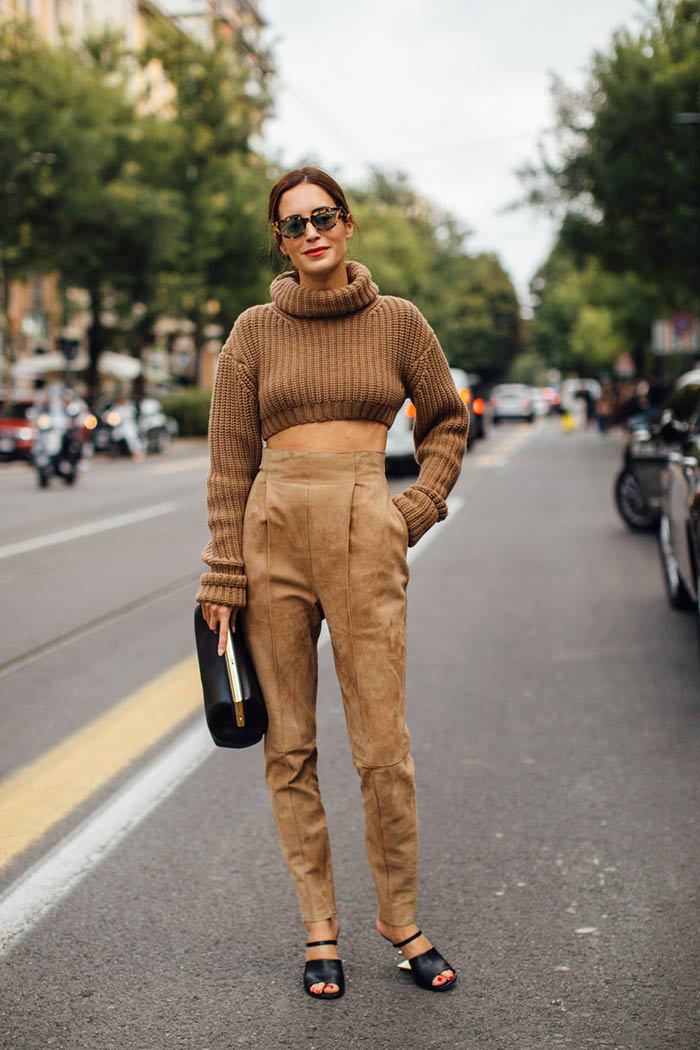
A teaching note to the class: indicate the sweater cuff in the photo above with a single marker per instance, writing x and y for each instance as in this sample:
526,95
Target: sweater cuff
223,589
421,511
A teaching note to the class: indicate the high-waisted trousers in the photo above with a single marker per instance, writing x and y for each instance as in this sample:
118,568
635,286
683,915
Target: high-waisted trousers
322,538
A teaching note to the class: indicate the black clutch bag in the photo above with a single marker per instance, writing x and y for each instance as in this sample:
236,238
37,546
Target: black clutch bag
233,702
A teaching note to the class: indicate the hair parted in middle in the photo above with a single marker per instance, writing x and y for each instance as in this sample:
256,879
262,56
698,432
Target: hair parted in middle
317,177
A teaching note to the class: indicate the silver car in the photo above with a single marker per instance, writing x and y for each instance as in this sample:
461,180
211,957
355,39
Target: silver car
512,401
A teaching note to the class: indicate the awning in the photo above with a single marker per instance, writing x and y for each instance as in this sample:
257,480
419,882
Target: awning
120,366
41,364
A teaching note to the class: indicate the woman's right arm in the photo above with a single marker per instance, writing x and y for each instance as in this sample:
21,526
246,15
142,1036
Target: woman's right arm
235,446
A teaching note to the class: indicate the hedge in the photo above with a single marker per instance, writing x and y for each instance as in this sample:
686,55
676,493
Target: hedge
191,410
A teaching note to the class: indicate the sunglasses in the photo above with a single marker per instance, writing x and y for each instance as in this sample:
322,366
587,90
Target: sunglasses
320,218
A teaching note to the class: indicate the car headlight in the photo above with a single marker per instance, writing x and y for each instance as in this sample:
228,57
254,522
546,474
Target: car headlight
25,434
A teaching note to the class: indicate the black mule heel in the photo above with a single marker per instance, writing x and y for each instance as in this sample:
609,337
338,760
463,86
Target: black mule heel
426,967
328,971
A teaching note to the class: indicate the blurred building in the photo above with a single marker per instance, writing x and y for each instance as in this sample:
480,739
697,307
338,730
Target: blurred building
76,18
240,20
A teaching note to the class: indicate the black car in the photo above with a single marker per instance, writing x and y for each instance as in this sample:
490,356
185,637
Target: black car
679,525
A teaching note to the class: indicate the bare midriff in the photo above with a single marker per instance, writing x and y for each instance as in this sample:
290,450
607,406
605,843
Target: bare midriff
335,435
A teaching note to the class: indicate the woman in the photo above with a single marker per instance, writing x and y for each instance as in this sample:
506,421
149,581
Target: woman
305,529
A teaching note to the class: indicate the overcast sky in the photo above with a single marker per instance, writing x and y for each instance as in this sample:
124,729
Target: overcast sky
456,94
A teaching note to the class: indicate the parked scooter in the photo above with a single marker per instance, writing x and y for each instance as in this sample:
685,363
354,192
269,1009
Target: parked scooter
638,485
58,445
127,428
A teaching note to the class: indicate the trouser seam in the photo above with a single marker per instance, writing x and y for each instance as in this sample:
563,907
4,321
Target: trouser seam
387,889
288,789
356,681
290,793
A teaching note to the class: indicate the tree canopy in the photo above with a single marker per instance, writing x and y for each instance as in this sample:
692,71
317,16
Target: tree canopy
133,177
625,175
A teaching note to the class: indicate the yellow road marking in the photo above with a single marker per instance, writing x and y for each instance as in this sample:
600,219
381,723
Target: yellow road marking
39,795
181,465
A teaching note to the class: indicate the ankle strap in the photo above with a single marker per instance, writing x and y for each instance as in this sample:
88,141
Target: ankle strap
317,944
408,939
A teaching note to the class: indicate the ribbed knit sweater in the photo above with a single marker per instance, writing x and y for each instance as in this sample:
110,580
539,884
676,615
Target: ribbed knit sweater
311,356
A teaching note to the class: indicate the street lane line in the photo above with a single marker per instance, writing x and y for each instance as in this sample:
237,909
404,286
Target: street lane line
27,901
180,465
98,623
504,452
49,539
40,794
27,799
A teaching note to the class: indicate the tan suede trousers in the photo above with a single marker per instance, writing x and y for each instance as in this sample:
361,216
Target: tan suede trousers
321,537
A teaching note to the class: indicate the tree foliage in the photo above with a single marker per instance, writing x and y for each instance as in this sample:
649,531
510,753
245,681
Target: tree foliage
79,196
585,317
419,252
133,177
220,267
626,177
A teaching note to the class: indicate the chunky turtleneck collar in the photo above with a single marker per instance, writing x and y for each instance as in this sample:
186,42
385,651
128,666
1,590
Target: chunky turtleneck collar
289,297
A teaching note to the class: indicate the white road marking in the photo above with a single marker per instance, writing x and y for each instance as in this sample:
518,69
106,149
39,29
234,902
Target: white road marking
55,875
49,539
30,898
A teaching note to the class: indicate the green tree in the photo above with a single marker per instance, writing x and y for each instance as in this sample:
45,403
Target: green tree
585,316
96,213
222,265
528,367
626,180
419,252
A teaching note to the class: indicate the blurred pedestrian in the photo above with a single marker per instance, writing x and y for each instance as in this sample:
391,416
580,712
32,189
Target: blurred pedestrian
306,528
605,409
589,403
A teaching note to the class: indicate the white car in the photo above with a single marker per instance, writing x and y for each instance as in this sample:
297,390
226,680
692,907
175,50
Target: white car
512,401
400,449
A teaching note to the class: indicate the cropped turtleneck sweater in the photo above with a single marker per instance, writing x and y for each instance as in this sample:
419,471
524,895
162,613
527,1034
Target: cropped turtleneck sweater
311,356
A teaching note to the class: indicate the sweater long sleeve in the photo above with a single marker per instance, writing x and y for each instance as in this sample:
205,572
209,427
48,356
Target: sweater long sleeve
310,356
440,434
235,445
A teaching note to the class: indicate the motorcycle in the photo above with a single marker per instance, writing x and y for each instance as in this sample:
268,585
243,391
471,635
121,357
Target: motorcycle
58,446
638,485
128,429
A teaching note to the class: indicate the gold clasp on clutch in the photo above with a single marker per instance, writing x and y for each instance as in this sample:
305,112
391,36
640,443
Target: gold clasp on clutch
235,682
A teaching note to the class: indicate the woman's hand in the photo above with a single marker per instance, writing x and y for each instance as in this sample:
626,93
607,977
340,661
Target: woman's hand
219,618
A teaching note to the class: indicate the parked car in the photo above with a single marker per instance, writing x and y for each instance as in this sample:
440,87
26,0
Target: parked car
511,401
468,389
400,448
17,428
679,524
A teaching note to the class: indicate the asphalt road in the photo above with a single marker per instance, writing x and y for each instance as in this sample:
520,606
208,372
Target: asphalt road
555,715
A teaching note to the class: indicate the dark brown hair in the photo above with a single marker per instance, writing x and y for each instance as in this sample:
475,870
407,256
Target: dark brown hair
294,178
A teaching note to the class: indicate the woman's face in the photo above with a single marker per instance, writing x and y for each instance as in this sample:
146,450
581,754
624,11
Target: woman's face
317,255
